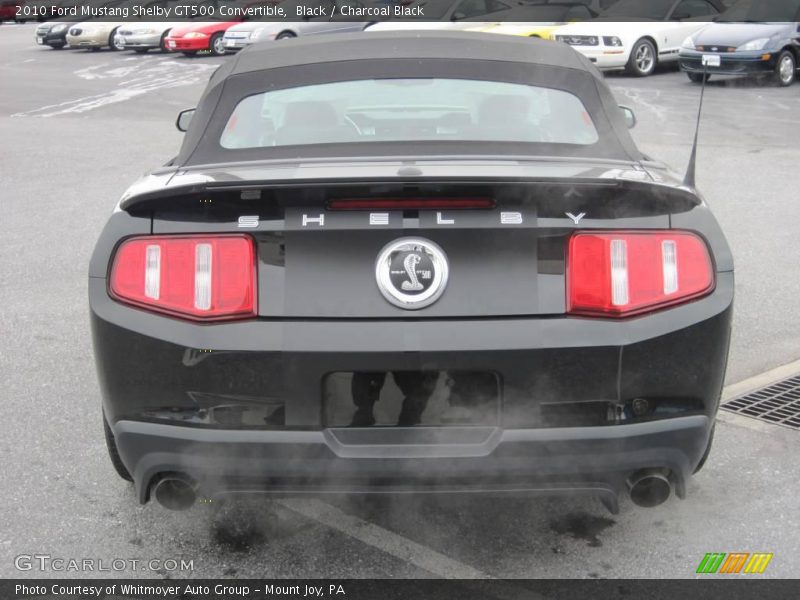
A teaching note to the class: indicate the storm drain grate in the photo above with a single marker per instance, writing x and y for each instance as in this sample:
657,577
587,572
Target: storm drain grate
778,403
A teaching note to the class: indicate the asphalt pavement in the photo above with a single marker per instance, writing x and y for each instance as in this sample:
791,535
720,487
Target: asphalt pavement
76,127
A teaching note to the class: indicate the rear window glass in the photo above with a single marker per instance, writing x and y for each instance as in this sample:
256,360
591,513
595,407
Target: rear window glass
410,109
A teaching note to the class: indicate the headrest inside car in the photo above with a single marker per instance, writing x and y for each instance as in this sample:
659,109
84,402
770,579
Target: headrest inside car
502,109
310,113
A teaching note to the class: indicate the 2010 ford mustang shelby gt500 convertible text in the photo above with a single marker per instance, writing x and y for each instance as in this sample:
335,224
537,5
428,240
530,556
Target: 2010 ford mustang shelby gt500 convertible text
418,262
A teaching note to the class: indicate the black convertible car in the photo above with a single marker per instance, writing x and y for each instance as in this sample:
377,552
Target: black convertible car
410,262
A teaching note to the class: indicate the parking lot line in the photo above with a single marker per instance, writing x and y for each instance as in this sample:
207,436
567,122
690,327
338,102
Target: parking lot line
389,542
401,547
404,549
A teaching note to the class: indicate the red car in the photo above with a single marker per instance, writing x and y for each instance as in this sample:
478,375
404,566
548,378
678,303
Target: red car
8,10
192,38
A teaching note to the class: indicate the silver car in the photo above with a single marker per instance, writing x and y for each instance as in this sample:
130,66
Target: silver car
141,37
249,32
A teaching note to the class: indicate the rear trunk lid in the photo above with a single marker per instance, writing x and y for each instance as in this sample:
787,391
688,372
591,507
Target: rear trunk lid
319,239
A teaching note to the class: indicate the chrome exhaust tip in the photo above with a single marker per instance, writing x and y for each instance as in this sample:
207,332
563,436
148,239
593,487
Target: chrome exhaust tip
175,493
649,487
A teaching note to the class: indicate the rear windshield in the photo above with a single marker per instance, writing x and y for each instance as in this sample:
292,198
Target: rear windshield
408,110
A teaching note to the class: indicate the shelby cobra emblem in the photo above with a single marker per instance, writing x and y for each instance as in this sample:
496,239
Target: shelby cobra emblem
411,272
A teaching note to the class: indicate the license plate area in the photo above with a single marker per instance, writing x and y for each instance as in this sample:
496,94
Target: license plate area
411,399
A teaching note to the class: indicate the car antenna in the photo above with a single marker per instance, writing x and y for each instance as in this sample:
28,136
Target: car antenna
688,179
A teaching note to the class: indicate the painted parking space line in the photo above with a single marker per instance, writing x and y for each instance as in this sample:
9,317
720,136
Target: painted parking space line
402,548
389,542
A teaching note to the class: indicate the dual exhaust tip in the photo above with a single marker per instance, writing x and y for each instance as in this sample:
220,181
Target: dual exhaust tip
648,488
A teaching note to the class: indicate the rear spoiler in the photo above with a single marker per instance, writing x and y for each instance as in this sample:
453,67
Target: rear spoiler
174,181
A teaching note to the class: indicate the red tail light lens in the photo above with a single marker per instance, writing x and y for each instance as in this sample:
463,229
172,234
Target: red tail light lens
199,277
619,273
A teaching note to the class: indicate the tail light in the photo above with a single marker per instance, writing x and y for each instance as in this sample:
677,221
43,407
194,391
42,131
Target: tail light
198,277
620,273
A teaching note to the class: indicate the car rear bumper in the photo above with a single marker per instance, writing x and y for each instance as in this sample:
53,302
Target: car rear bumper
593,460
156,372
740,63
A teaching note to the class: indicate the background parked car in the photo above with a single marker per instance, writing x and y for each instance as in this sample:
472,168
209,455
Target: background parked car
53,34
248,32
142,37
93,35
8,9
206,35
746,46
195,37
596,6
444,14
638,46
151,35
545,18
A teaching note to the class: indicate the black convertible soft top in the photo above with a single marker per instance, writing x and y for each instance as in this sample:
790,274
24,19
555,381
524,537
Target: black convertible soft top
407,44
403,54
